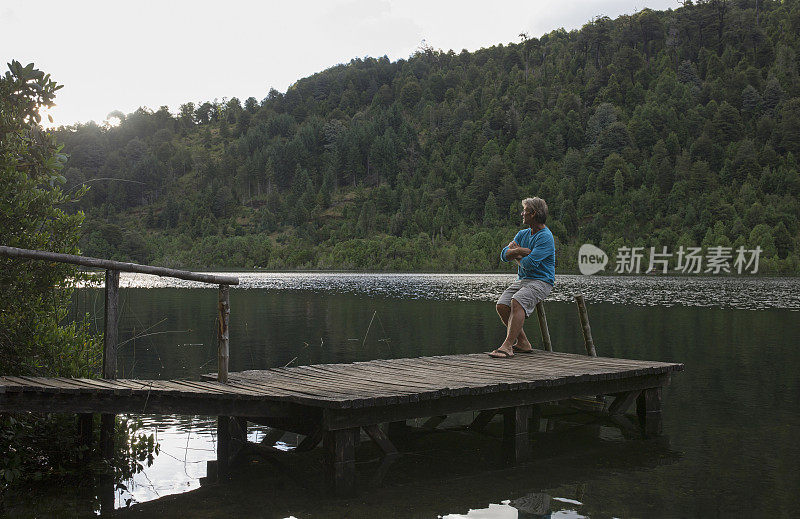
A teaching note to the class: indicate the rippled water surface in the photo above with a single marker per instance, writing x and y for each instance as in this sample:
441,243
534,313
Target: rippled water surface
731,418
750,293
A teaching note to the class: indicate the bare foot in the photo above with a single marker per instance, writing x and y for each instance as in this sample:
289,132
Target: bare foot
524,347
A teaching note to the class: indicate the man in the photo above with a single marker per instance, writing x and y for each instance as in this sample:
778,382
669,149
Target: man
534,250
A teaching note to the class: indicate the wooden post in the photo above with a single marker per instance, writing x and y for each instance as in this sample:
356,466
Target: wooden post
223,345
223,338
587,331
543,326
107,421
112,320
515,433
340,460
223,446
648,408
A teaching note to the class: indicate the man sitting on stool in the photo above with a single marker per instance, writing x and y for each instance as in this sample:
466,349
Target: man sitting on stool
534,250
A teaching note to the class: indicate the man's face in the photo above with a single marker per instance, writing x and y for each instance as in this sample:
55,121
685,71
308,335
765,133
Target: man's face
527,216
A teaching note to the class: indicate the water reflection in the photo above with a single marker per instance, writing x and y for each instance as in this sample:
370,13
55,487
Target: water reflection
448,473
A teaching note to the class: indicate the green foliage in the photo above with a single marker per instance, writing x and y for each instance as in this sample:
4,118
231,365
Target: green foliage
647,127
37,336
34,295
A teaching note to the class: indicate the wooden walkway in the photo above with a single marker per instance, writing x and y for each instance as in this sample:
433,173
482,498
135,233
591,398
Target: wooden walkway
331,403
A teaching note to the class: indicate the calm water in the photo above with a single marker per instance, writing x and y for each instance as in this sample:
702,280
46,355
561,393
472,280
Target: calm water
731,420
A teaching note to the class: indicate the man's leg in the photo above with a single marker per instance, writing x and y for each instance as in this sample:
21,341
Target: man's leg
504,311
515,321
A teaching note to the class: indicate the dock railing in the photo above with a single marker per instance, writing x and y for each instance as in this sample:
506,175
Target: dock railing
111,328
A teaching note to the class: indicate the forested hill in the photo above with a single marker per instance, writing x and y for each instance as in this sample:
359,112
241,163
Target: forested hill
659,128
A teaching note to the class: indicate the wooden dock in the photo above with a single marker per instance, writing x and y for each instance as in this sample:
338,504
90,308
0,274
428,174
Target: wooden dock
331,403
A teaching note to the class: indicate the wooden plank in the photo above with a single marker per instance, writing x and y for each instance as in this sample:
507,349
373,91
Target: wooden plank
77,385
10,386
347,382
402,382
455,383
417,389
430,380
521,364
102,386
352,398
302,395
497,378
506,379
357,397
216,390
33,386
51,383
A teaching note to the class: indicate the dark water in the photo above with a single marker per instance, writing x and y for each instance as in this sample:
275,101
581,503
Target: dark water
731,424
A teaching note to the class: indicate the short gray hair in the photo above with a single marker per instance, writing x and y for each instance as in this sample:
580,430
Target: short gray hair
537,205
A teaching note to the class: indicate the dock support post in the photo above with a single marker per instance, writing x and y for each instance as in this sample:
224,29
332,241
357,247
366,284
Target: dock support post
340,460
515,433
223,446
648,408
110,334
543,326
587,331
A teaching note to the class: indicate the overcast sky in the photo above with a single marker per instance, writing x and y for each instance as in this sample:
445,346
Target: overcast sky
120,55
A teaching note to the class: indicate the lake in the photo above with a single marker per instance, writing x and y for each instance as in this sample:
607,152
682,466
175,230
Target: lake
731,419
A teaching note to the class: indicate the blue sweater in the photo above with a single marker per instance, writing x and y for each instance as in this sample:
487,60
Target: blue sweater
541,262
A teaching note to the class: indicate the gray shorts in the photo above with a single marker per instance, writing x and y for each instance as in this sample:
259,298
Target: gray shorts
527,292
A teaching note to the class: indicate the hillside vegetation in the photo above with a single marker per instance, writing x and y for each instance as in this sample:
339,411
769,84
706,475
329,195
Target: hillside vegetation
658,128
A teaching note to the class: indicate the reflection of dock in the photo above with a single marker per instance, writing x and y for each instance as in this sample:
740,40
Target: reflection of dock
449,470
331,403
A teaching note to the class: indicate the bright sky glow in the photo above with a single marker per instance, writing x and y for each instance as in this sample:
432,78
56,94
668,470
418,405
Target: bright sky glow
115,55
